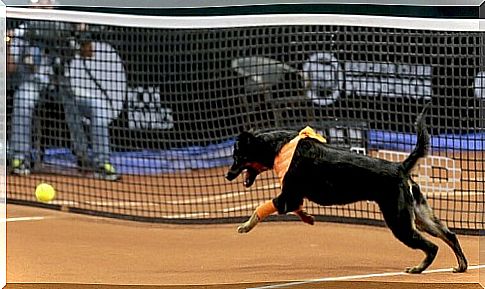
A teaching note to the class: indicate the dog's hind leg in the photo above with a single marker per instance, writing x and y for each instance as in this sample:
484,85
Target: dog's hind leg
426,221
400,219
304,216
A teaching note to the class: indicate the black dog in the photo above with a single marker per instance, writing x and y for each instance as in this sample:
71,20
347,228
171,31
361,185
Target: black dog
329,176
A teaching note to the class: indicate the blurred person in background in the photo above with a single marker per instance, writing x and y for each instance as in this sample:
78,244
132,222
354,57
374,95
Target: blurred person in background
59,57
98,81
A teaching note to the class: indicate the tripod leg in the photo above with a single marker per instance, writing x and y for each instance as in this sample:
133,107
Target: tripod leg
73,117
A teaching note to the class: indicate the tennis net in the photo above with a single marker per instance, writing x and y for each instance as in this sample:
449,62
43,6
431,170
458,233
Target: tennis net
135,116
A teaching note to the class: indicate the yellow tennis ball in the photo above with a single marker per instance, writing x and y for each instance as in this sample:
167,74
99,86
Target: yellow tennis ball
45,193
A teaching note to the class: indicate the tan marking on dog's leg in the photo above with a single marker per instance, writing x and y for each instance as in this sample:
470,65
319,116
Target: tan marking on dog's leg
266,209
410,184
413,215
249,224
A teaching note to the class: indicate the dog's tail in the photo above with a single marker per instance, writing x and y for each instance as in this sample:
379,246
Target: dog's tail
422,144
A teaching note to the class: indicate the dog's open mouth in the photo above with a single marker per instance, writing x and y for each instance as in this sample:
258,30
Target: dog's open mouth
250,175
250,172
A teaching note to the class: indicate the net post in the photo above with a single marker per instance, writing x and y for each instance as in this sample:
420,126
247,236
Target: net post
481,129
3,149
481,11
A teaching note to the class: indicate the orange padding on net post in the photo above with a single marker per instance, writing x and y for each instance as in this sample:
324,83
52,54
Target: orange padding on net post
265,210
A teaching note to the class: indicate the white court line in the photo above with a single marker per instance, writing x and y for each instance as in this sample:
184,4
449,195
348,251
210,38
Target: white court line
120,203
208,199
453,193
271,186
63,203
24,219
353,277
240,208
103,203
186,216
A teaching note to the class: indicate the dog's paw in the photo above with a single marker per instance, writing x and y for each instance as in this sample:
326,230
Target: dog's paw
459,270
414,270
244,228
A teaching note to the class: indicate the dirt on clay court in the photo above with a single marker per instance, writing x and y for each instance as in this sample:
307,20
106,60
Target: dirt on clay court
65,250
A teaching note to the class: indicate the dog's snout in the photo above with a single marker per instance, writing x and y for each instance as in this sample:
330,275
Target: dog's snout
230,176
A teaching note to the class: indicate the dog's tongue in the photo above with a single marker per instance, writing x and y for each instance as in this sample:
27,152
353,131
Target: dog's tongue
246,177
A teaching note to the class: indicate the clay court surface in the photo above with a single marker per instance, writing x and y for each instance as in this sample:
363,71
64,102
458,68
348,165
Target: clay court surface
58,248
46,246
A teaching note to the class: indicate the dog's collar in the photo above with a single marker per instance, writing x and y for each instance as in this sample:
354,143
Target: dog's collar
283,159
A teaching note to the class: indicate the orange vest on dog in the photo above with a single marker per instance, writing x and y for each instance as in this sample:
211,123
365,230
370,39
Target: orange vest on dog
284,157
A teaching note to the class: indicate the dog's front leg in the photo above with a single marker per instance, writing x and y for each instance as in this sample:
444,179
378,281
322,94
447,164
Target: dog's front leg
249,224
259,214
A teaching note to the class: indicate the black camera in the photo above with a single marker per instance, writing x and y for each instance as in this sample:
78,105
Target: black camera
56,39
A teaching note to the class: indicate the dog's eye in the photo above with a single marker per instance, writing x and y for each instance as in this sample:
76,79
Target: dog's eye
239,159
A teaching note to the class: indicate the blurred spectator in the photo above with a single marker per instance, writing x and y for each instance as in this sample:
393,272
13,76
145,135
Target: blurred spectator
98,81
40,53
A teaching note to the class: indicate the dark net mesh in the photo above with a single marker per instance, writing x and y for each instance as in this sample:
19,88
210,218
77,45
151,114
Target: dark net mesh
140,122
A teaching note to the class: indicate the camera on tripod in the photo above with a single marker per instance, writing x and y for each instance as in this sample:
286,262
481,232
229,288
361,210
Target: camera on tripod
58,40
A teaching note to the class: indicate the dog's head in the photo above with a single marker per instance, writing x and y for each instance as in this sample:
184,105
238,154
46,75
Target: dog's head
251,157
